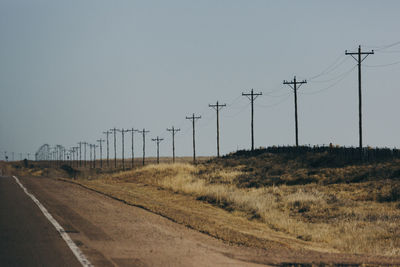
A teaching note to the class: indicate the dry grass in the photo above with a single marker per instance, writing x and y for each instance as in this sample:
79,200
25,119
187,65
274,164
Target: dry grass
356,217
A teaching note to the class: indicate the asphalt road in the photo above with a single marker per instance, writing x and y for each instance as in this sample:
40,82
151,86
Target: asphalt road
27,238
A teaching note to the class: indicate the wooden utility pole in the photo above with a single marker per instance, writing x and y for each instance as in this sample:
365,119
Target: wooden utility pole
144,132
217,107
193,119
359,59
84,146
173,131
90,161
252,96
108,154
80,153
114,130
293,84
158,141
94,155
122,131
132,147
101,151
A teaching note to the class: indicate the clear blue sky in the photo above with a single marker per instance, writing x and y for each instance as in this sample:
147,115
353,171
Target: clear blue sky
72,69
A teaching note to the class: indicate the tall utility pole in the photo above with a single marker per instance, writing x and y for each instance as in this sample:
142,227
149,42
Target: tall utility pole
193,119
101,151
108,154
114,130
293,84
173,131
252,96
144,132
132,143
122,131
217,107
80,153
158,140
360,58
76,154
90,161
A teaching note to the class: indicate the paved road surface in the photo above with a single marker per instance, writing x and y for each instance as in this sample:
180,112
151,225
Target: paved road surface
27,238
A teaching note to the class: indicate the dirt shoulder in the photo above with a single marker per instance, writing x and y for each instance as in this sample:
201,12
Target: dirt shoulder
262,244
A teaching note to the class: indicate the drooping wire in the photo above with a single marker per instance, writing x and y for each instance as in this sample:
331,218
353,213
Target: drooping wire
336,77
330,86
274,104
382,65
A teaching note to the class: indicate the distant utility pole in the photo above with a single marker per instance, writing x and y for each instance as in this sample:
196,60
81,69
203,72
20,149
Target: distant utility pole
144,132
101,151
193,118
158,141
114,130
84,147
173,131
80,153
252,96
293,84
94,155
90,161
122,131
132,143
76,154
217,107
108,155
359,59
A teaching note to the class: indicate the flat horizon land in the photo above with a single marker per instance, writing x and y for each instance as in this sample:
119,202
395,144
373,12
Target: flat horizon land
336,210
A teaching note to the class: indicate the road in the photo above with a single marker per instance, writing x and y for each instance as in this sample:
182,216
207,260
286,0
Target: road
27,238
108,232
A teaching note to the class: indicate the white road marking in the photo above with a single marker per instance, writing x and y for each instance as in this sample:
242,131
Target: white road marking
77,252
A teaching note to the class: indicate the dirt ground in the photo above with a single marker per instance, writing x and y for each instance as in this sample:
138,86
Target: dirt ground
111,233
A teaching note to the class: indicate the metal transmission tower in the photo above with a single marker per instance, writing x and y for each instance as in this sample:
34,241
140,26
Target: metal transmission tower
193,119
122,131
108,154
293,84
252,96
144,132
114,130
158,141
132,143
173,131
101,151
217,107
360,58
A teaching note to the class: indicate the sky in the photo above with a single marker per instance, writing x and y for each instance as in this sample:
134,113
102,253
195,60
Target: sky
70,70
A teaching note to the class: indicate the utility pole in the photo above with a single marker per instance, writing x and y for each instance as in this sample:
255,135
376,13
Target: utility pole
193,119
293,84
101,151
90,161
76,154
114,130
94,155
144,132
84,146
252,96
217,107
158,140
108,155
122,131
359,59
80,153
173,131
132,142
